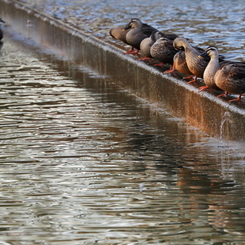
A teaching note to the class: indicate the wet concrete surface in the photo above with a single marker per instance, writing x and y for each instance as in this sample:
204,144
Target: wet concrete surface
84,162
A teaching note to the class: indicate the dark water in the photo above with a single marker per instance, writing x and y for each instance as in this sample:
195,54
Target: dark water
83,162
204,22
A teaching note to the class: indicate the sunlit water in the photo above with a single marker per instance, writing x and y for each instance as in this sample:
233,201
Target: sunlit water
83,162
205,22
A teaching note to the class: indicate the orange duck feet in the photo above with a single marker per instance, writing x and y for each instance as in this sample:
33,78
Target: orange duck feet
203,88
194,79
172,69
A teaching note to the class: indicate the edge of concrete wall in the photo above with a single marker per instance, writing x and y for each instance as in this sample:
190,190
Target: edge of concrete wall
213,115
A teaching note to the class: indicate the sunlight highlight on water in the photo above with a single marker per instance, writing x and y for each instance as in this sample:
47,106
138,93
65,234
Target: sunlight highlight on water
84,162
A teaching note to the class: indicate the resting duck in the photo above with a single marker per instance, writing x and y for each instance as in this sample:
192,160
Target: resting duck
1,32
145,45
195,65
119,33
228,76
163,51
180,65
137,32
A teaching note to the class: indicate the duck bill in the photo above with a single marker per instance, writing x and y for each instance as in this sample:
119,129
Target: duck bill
127,27
202,55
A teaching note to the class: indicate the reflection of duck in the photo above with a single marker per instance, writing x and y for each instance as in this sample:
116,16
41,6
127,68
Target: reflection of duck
1,32
229,76
195,65
163,50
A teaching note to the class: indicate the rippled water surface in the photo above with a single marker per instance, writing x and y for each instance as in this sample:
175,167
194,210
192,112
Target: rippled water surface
205,22
83,162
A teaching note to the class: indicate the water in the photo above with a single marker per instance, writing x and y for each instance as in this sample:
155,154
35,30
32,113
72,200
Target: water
205,23
83,162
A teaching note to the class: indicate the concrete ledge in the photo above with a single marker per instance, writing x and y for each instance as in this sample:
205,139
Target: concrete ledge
215,116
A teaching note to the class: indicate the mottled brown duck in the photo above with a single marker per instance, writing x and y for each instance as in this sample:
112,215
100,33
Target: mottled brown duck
194,63
227,75
163,51
145,45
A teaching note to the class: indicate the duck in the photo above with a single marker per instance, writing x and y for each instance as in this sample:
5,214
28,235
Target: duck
180,65
195,65
226,75
1,32
208,75
137,32
163,51
119,33
146,43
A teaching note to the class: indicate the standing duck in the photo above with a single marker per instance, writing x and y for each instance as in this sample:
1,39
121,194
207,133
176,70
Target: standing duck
194,63
208,75
163,51
137,33
1,32
228,76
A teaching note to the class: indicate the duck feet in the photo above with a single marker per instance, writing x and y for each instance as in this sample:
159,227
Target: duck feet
148,59
132,51
203,88
161,64
187,78
225,94
238,99
172,69
194,79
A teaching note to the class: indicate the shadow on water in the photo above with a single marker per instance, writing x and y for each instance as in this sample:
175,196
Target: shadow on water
85,162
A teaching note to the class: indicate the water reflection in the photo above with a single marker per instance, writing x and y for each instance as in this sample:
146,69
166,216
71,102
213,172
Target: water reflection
83,162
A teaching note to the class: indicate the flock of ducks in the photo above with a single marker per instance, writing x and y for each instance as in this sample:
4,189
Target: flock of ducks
218,74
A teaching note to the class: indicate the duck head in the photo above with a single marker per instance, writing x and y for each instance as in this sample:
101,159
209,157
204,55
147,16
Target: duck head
134,23
210,51
179,43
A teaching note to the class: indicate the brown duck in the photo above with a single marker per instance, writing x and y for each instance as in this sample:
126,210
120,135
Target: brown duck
227,75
